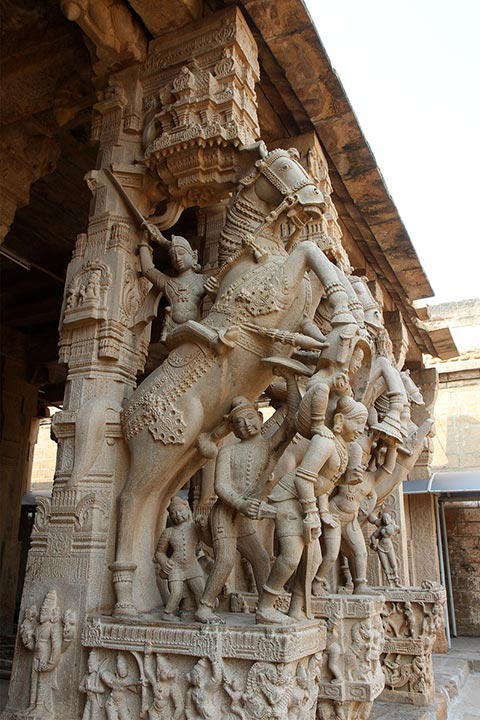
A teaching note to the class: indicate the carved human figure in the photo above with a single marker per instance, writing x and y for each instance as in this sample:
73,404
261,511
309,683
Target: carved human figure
167,700
433,620
176,557
119,682
297,522
242,482
205,680
92,685
339,513
234,689
184,292
27,628
92,288
269,690
334,652
44,638
381,542
263,293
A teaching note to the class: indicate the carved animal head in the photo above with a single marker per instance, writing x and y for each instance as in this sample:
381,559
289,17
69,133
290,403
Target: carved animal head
278,183
282,176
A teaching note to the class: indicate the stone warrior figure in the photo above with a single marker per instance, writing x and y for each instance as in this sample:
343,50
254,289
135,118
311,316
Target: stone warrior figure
119,683
181,568
184,292
242,475
45,638
92,685
205,680
166,694
297,523
381,542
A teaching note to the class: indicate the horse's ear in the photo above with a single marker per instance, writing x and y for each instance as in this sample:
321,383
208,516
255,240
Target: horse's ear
293,152
247,158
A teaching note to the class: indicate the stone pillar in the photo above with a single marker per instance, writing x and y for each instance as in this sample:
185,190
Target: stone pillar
74,534
18,409
207,111
351,676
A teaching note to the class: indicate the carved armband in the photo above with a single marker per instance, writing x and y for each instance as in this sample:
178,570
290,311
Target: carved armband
303,474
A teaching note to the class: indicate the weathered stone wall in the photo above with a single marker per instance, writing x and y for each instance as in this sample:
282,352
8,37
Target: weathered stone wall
457,415
463,531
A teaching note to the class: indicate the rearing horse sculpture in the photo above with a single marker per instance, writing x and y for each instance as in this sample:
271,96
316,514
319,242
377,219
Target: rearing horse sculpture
264,297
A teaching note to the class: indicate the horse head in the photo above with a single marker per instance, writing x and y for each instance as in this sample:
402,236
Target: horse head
278,184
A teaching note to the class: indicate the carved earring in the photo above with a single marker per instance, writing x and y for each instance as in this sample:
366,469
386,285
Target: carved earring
338,423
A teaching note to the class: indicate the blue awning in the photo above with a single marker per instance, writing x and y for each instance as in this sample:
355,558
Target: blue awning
464,485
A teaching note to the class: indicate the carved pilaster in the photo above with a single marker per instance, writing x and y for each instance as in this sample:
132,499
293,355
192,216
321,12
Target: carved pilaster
412,618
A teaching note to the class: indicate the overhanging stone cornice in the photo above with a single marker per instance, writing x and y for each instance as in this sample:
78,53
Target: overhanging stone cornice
368,211
288,31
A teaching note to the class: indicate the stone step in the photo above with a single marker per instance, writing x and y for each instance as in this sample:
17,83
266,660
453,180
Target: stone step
452,675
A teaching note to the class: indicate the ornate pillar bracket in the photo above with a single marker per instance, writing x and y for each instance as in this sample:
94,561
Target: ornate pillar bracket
200,106
119,39
27,154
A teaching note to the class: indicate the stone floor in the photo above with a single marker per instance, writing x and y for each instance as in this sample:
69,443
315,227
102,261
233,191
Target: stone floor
457,678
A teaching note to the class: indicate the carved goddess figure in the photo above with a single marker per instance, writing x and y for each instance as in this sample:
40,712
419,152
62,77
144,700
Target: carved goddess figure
45,639
242,476
381,542
184,292
176,557
297,523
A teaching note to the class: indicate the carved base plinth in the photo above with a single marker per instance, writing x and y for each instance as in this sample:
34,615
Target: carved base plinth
149,668
351,676
411,621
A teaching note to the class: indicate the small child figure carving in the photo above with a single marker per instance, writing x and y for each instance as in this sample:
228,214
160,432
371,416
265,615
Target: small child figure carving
176,557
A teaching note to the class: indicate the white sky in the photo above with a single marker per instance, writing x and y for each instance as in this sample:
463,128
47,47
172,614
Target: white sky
411,69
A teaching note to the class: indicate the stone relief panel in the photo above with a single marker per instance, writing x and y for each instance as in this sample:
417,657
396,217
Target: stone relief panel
47,634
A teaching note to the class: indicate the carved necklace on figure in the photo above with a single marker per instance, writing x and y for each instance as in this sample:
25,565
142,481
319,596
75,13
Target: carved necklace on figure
342,453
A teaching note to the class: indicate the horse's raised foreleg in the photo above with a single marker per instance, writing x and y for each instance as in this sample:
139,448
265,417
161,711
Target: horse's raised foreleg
312,257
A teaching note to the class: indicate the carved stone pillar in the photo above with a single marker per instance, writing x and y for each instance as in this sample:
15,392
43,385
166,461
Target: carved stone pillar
351,676
74,534
203,84
412,618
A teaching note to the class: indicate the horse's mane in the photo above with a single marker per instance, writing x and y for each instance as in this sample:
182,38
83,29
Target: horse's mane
242,218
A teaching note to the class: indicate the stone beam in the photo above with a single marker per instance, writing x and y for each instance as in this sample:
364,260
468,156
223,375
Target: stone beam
26,155
161,18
